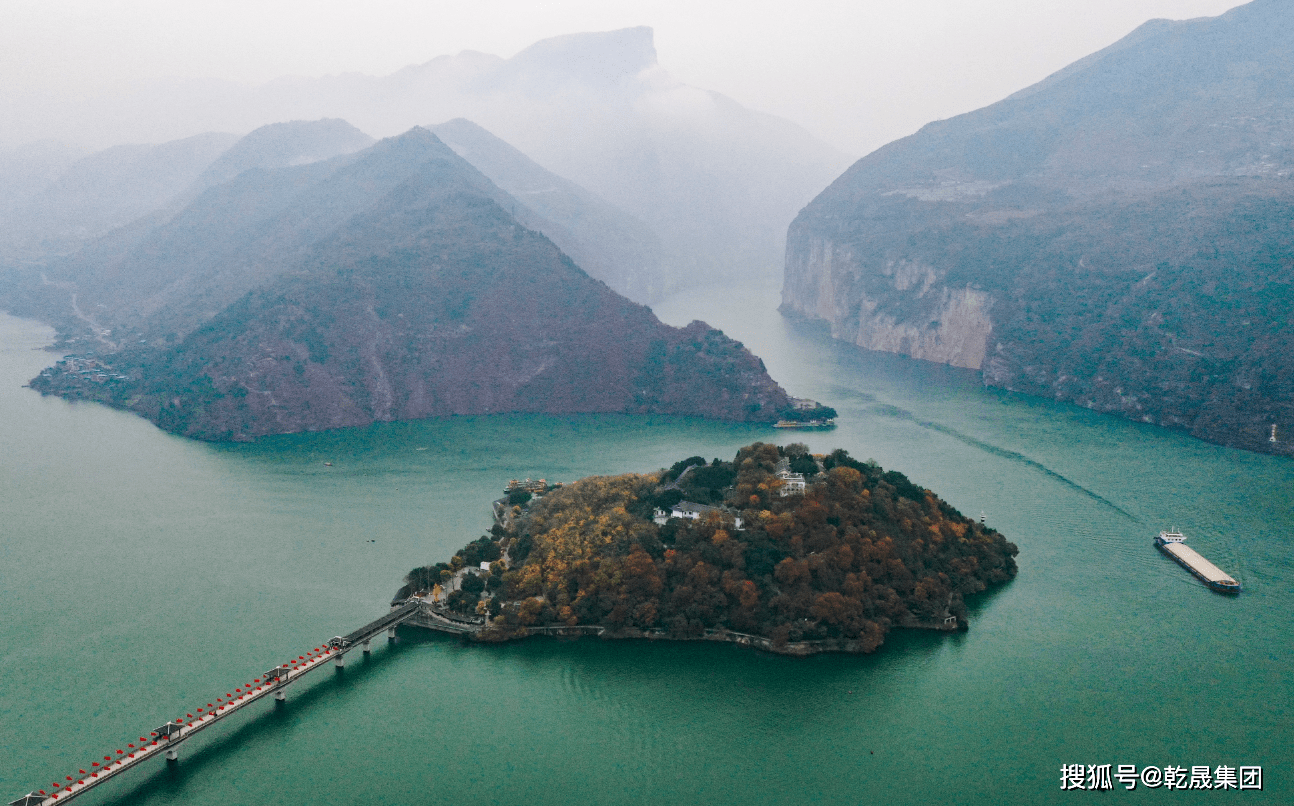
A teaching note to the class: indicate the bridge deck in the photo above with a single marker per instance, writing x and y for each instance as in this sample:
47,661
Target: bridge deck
431,620
376,626
170,735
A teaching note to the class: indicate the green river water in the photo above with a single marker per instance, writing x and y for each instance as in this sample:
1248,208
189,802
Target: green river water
142,575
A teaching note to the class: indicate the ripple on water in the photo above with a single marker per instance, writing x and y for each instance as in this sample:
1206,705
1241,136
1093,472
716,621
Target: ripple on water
180,567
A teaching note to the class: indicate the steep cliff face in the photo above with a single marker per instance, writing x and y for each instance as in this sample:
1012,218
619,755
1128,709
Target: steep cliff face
900,307
1118,235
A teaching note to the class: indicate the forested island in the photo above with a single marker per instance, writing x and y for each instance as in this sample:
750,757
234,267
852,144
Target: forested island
779,549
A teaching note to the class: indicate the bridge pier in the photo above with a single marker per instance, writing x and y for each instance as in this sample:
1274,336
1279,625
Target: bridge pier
277,678
339,660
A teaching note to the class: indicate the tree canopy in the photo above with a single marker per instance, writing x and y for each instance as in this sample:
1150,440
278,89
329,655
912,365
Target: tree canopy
861,552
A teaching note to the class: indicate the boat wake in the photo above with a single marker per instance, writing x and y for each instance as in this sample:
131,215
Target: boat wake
902,414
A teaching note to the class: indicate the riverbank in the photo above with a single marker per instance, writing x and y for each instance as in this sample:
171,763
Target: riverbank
479,630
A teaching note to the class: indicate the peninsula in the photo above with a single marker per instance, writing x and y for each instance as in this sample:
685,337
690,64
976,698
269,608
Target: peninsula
396,283
778,549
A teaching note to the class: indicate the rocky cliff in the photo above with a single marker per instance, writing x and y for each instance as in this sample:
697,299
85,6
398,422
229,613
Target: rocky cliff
1118,235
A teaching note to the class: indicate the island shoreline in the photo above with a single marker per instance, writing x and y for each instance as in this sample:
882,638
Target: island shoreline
479,633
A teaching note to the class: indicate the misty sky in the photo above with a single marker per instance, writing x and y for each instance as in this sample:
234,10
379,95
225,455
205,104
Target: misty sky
857,73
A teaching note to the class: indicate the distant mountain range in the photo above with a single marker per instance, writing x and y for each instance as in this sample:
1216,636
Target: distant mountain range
279,145
247,214
27,171
394,282
75,217
1119,235
715,183
103,191
47,212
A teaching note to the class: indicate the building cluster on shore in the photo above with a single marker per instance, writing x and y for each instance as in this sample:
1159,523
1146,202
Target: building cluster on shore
75,370
807,413
83,368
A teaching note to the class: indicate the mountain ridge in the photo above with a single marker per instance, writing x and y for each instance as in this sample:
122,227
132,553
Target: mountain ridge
605,241
716,182
1070,240
422,296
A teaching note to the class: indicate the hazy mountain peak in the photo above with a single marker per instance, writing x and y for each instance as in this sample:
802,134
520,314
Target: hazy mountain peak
418,143
465,62
714,181
1208,48
278,145
462,125
480,147
105,190
605,56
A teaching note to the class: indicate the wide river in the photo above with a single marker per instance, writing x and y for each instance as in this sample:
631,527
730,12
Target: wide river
141,575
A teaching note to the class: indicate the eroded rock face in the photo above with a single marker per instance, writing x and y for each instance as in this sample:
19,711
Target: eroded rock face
957,334
903,308
1118,235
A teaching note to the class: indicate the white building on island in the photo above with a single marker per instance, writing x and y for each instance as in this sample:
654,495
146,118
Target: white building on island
792,483
691,511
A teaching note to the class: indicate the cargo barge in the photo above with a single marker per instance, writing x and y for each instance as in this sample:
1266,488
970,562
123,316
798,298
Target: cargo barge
1173,544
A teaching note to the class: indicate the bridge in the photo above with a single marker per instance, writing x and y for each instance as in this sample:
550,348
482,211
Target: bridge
165,739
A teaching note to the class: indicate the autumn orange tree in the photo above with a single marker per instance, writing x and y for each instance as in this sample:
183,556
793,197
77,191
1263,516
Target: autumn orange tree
862,551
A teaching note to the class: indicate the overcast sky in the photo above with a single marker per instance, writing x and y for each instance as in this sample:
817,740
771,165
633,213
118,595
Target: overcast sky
857,73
